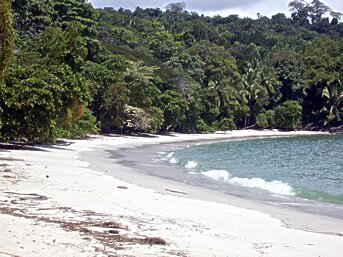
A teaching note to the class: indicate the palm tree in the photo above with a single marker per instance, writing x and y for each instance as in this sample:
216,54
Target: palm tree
257,85
250,90
333,94
225,90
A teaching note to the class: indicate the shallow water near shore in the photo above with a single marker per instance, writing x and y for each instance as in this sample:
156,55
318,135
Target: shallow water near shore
304,173
309,167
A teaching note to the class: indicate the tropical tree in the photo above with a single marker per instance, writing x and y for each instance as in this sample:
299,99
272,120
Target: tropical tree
43,94
6,36
6,46
175,108
290,72
333,95
297,5
258,85
32,16
317,10
220,75
288,115
300,11
139,78
149,69
176,7
336,15
162,45
108,89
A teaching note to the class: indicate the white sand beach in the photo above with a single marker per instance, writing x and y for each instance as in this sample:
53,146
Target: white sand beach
52,203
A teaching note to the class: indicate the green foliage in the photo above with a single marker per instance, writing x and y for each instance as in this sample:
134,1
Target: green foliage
176,7
29,103
291,73
156,119
80,128
174,107
266,119
259,86
138,119
148,69
270,115
226,124
201,126
42,93
32,16
262,121
323,59
6,36
288,115
333,95
139,81
162,45
317,9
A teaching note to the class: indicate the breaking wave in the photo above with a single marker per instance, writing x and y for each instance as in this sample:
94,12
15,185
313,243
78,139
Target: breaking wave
173,161
170,155
217,174
191,164
275,186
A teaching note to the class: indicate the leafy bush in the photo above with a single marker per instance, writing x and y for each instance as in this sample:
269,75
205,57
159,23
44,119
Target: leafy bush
174,107
203,127
226,124
288,115
265,119
156,119
262,121
270,115
138,119
81,128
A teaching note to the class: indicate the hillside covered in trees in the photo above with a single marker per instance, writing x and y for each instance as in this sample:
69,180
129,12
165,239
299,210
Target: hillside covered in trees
67,69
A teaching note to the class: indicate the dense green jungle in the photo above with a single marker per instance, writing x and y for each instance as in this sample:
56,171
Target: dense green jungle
68,69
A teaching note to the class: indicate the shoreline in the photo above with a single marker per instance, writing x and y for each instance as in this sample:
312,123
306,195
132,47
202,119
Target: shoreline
65,181
291,217
264,201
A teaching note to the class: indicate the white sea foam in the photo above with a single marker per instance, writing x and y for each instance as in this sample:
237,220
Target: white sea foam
223,175
274,186
191,164
173,161
170,155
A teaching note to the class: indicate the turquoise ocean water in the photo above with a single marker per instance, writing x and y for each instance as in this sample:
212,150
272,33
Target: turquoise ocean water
305,167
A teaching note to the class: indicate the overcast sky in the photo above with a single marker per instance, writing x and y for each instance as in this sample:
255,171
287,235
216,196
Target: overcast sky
210,7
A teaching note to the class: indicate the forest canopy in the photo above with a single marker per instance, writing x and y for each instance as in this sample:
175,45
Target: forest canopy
67,69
